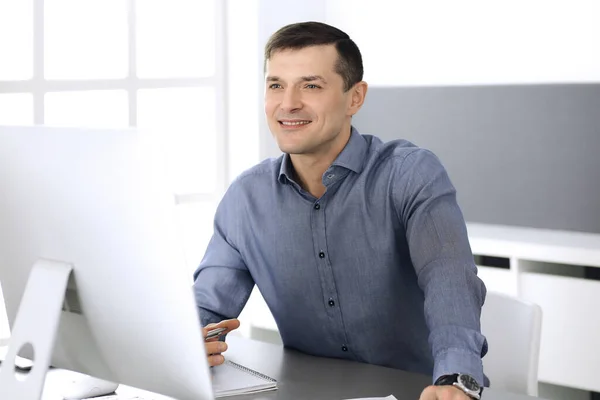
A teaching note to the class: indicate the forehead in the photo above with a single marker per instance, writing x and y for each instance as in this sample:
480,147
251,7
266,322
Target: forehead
312,60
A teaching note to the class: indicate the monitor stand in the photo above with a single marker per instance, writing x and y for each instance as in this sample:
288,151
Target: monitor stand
36,325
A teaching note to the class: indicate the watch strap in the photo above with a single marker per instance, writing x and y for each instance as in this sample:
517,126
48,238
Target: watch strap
446,380
450,379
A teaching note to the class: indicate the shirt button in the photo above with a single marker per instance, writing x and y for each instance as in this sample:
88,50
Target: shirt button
331,302
331,176
344,348
321,255
317,206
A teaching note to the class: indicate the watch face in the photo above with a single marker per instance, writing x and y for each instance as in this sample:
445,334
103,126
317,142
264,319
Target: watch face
469,382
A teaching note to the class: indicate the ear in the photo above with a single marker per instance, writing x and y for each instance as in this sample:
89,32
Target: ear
357,94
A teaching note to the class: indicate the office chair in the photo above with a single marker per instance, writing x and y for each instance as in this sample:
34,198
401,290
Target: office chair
513,330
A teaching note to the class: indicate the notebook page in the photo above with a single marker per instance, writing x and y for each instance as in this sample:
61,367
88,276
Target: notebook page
230,379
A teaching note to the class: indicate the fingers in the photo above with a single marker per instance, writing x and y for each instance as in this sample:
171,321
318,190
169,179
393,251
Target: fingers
228,324
443,393
215,359
214,350
216,347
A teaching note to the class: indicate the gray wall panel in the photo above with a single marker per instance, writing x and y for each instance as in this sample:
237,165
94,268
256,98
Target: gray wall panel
518,155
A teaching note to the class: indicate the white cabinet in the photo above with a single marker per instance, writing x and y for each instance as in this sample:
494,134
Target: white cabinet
552,269
569,354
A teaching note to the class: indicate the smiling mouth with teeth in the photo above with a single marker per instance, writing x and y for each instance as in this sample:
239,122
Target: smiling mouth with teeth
294,123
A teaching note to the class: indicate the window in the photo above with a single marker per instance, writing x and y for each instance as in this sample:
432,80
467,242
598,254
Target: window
119,63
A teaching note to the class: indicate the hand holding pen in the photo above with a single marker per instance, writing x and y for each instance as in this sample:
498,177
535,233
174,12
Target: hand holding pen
214,347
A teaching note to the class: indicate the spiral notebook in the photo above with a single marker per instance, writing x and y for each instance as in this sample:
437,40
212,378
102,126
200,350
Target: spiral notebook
231,379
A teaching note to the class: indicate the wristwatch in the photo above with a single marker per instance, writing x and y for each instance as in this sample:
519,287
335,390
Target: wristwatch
464,382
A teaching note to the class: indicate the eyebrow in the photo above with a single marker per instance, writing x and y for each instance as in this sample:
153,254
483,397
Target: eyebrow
308,78
311,78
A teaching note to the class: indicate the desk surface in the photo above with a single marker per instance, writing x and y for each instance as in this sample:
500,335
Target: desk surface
300,376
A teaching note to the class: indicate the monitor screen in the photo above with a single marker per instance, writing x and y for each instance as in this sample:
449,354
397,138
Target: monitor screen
98,201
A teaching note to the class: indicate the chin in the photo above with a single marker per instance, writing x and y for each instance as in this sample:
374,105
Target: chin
286,145
294,148
290,149
293,142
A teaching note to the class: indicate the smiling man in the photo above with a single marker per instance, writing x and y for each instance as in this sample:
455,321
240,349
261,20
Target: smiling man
358,246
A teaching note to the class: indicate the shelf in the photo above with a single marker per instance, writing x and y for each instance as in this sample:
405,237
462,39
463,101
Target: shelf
576,248
557,270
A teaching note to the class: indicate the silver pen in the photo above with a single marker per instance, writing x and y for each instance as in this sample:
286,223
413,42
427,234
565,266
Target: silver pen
214,333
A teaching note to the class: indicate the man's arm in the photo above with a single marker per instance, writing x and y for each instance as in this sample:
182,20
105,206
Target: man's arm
442,257
222,282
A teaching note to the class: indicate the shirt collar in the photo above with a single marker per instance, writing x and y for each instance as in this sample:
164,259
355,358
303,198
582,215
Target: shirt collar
352,157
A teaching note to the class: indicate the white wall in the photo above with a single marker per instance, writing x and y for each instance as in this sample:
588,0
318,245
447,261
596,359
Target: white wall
439,42
242,85
460,42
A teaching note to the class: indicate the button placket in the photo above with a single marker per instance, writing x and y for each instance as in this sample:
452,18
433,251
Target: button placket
324,268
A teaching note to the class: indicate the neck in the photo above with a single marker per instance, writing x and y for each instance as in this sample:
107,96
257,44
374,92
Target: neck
309,168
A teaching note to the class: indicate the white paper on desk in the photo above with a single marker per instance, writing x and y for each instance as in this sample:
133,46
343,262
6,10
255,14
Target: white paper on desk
390,397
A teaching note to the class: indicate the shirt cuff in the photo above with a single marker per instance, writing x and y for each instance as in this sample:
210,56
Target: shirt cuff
453,361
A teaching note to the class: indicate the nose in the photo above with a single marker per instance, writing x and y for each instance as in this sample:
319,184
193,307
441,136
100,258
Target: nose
291,100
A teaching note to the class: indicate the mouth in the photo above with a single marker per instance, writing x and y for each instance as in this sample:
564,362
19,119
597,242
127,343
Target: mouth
293,124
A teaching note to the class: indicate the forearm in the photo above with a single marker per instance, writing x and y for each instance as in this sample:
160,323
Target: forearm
221,292
459,357
453,299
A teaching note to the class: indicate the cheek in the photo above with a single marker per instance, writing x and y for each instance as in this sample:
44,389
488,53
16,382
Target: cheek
333,111
270,105
269,108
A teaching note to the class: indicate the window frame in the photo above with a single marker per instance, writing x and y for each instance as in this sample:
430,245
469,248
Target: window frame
38,86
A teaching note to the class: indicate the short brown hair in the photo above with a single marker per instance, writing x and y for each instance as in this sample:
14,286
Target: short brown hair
304,34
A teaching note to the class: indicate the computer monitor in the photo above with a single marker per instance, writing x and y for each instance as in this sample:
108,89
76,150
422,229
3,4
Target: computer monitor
97,202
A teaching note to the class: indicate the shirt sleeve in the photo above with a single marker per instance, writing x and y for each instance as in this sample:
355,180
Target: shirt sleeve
222,282
442,258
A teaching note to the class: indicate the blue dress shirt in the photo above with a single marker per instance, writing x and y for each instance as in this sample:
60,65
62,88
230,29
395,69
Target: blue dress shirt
378,270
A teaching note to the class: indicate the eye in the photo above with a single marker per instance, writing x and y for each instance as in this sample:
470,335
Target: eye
274,86
313,86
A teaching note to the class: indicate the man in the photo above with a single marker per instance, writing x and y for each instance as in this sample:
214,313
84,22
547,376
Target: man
358,246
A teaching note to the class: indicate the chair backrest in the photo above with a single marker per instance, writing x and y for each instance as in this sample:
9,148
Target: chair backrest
513,329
